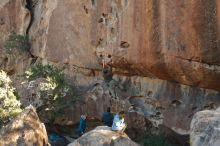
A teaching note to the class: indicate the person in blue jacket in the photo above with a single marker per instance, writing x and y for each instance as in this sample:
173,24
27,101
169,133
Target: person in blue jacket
107,117
119,122
82,125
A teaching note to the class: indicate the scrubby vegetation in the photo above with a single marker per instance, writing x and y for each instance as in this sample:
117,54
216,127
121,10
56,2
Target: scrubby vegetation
9,105
54,76
56,93
156,140
17,42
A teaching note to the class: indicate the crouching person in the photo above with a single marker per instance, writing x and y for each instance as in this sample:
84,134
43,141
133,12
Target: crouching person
118,122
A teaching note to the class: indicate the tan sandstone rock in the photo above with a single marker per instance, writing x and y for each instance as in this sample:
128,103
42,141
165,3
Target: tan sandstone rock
172,40
103,136
25,130
14,17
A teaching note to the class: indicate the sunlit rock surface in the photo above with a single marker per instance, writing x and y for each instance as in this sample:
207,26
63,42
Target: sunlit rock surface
14,17
171,40
103,136
205,128
25,130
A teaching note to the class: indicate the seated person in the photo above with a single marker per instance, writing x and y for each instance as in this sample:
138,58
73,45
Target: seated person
118,122
107,118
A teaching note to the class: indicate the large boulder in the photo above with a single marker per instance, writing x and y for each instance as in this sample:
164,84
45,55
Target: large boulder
146,38
103,136
205,128
25,130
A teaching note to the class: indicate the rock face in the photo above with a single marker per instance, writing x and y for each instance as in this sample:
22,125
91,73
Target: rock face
142,97
103,136
205,128
14,17
25,130
172,40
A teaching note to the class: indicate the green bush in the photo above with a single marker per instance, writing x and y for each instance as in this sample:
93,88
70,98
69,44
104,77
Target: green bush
18,42
9,105
156,140
54,90
54,76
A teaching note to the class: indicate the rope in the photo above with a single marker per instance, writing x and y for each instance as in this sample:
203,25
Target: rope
103,63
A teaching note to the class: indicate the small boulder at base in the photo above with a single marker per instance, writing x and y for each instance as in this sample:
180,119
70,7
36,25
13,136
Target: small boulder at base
25,130
103,136
205,128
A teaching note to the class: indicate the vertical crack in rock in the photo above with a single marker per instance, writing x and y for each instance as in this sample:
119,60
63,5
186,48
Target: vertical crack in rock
30,6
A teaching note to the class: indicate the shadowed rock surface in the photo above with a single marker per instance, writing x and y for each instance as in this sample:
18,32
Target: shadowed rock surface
159,101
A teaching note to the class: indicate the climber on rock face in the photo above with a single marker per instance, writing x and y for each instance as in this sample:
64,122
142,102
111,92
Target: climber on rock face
110,82
107,117
107,74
